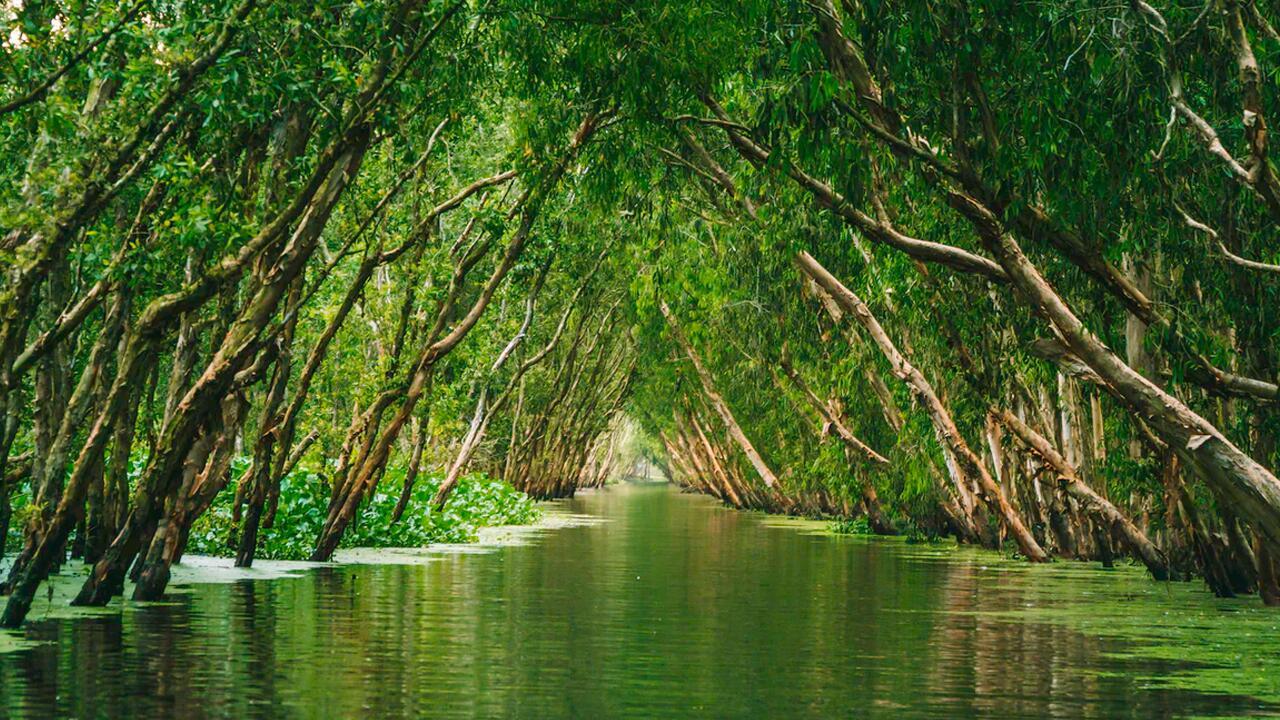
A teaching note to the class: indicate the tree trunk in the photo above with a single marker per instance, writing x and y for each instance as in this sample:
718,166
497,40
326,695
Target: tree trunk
1106,514
718,403
948,434
1249,486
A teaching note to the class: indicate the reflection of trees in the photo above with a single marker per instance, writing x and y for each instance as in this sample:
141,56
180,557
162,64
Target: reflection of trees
675,607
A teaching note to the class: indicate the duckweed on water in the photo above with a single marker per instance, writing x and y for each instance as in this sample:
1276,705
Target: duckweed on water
1213,645
1233,645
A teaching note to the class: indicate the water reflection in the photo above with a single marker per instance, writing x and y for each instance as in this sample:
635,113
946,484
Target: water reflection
672,608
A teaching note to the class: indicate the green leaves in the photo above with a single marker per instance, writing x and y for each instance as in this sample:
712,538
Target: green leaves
477,502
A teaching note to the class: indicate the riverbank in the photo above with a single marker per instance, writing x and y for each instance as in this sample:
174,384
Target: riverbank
197,570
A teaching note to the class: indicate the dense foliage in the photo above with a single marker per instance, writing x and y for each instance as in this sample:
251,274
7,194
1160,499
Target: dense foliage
991,270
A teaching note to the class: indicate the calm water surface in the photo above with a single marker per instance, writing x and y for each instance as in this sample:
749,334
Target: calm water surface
669,607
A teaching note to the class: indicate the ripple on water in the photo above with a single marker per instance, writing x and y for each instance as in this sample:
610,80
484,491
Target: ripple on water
642,602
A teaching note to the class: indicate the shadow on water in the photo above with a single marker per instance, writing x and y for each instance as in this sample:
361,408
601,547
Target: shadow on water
672,607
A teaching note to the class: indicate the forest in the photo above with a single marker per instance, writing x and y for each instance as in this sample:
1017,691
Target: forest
285,277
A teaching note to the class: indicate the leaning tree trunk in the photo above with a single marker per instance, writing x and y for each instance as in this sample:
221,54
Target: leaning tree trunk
1106,514
364,475
948,433
483,416
718,403
831,419
262,471
237,347
1250,487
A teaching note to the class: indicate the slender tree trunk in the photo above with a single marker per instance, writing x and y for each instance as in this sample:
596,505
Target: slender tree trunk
237,347
411,473
262,472
831,419
718,403
1106,514
949,434
1249,486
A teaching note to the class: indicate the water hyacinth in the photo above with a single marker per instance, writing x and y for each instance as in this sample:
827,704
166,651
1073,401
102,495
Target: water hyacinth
479,501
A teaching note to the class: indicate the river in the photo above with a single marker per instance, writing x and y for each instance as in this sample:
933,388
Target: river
667,606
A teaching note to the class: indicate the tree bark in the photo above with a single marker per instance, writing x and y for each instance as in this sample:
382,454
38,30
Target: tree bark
1249,486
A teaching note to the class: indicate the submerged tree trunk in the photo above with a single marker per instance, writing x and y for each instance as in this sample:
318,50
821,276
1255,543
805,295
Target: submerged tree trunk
262,471
158,480
365,474
1107,515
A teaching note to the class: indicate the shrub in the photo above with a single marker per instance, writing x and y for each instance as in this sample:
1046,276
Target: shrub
850,526
478,501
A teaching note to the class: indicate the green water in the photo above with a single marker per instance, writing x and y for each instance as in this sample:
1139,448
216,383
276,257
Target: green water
668,607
